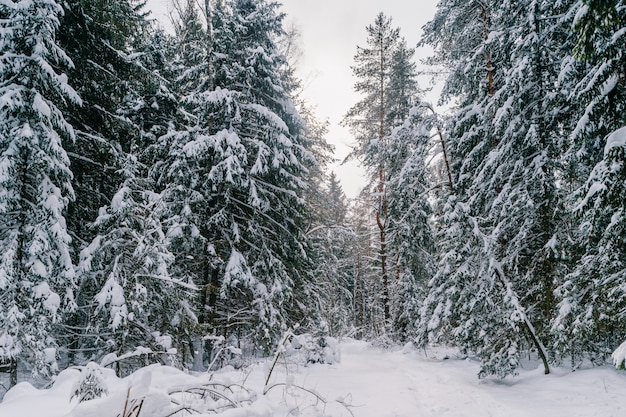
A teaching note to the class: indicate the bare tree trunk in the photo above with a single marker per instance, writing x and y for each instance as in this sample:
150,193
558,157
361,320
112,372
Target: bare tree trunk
486,20
380,219
484,15
383,265
359,292
527,325
209,43
13,372
443,150
381,214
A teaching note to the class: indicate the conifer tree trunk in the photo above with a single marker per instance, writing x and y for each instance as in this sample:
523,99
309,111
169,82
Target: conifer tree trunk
486,21
381,215
527,325
444,151
209,43
383,247
359,292
13,372
484,15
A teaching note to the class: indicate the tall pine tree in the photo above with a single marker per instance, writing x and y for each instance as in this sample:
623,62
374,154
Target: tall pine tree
387,85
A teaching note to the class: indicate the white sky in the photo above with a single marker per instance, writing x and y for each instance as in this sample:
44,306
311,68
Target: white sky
331,31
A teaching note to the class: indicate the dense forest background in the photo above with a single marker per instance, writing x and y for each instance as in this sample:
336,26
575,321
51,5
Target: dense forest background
166,197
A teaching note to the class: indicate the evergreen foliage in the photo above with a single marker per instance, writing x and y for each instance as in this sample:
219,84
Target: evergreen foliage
132,300
36,271
386,79
235,179
99,37
177,196
410,233
589,322
504,151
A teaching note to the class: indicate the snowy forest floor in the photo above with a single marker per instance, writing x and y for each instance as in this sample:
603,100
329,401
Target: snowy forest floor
368,382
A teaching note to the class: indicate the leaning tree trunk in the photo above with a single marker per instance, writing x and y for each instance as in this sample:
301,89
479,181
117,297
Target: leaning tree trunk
527,325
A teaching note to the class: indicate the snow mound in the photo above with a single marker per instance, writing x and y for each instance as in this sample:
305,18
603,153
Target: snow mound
619,356
369,382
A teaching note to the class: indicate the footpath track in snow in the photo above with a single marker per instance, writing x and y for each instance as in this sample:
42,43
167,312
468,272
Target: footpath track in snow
373,383
407,384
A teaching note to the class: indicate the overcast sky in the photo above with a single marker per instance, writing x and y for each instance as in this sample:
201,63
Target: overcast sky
330,32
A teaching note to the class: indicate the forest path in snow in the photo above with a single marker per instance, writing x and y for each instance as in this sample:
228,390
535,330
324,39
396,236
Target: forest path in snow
380,383
373,382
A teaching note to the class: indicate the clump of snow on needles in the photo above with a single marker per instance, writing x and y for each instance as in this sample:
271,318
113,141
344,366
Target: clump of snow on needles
619,356
615,139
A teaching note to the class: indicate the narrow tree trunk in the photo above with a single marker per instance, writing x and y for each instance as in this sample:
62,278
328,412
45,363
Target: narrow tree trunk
209,43
358,296
444,151
383,246
484,15
382,203
204,316
485,18
13,372
212,311
398,269
528,326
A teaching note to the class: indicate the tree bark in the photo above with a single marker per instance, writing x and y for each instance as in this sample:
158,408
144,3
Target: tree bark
13,372
484,15
444,151
359,292
528,326
381,214
209,43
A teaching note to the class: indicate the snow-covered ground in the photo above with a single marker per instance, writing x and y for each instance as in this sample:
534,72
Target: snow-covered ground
368,382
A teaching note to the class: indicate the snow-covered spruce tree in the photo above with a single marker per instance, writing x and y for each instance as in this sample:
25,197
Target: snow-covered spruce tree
180,177
278,161
332,243
507,190
459,35
128,104
132,299
36,271
515,190
590,319
326,299
410,233
99,37
236,173
407,189
387,91
337,201
91,384
368,312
